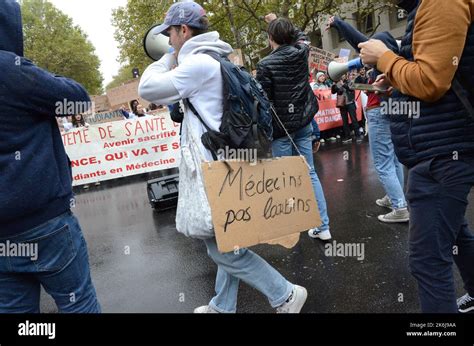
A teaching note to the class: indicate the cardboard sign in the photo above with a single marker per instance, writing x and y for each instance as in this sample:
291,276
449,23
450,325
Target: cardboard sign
270,202
236,57
319,59
101,103
122,95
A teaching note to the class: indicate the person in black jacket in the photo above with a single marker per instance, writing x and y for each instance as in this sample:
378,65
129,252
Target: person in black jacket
284,75
349,109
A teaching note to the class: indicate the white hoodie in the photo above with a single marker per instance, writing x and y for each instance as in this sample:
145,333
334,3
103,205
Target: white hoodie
198,77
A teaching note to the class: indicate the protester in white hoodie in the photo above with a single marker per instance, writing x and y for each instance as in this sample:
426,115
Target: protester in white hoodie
198,77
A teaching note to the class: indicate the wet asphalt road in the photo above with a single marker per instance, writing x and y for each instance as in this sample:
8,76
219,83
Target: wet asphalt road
167,272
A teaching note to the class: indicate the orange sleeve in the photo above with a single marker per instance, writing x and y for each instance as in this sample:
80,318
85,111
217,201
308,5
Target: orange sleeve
439,36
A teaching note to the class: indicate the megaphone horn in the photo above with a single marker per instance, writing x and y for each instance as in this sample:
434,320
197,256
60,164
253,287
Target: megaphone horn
336,69
156,45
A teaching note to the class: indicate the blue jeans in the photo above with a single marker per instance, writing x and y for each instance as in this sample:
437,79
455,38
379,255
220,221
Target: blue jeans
302,138
61,266
389,169
316,132
437,196
252,269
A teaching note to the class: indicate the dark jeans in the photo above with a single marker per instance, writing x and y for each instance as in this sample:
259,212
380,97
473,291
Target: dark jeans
61,266
352,111
439,234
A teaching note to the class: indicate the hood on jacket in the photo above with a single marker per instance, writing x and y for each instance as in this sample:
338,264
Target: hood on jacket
208,42
11,30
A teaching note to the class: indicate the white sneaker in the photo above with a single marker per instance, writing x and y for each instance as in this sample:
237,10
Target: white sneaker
396,216
384,202
317,234
295,302
465,303
206,309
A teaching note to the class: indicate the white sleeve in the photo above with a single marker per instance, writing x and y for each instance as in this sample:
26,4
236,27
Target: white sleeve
187,77
155,84
161,85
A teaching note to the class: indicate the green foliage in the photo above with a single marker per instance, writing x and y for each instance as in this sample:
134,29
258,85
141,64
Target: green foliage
55,44
239,22
132,23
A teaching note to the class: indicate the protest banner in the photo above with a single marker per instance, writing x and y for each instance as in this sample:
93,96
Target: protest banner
100,118
319,59
122,148
329,116
344,55
269,202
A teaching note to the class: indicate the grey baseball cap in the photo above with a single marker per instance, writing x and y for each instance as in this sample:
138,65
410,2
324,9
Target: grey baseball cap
182,13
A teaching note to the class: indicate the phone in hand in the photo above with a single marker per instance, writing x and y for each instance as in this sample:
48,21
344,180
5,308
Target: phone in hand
368,87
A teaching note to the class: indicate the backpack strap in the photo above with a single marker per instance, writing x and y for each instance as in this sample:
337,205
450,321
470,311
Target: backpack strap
196,113
458,89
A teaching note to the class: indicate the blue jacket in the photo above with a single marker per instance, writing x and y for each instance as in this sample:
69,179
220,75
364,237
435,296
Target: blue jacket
443,128
354,37
35,180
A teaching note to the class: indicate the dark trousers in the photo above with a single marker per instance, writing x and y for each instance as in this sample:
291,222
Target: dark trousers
349,110
439,234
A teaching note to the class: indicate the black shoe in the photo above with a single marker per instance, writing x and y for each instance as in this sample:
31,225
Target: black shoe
360,139
466,303
347,140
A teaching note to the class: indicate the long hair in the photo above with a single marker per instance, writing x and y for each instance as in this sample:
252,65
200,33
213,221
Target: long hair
133,106
79,123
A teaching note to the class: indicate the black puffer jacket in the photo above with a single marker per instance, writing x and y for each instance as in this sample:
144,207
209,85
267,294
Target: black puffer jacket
284,75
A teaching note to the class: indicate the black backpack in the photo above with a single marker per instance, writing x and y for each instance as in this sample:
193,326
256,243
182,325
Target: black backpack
246,119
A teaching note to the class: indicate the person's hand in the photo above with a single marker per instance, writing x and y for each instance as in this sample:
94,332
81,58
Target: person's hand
330,22
270,17
382,82
371,51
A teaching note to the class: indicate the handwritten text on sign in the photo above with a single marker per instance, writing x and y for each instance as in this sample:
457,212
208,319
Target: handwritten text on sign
122,148
256,204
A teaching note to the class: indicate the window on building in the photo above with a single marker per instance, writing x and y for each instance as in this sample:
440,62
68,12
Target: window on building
365,22
316,38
